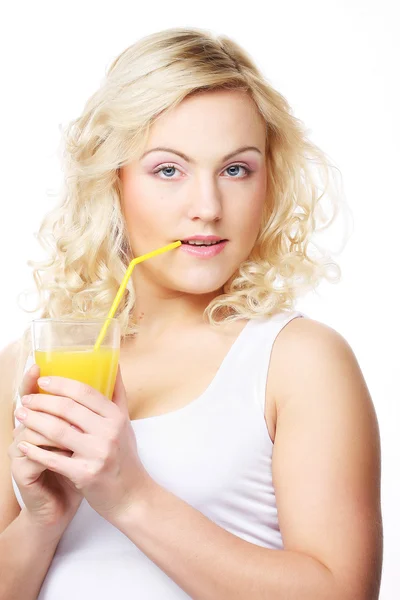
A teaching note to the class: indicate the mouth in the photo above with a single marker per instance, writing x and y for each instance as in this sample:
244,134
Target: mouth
203,246
203,241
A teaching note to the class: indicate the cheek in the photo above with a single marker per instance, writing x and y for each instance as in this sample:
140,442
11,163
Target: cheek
252,212
140,204
249,228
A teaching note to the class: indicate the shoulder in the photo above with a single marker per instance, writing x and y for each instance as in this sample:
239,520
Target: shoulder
306,331
10,357
9,352
309,353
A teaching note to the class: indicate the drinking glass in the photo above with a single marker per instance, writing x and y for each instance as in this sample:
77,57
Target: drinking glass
66,348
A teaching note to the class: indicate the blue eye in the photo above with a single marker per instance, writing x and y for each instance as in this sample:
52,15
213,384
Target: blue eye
167,170
233,171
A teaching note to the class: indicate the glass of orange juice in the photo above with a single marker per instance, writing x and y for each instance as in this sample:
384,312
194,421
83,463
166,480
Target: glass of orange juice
66,349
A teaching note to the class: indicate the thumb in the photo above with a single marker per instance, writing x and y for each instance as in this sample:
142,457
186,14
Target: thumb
119,395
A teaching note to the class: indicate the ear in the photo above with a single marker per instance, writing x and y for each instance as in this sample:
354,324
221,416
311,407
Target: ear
119,395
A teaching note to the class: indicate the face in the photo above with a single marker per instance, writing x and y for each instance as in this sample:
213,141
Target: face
202,173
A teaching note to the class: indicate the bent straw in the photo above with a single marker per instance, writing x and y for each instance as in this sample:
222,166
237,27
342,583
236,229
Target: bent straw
124,283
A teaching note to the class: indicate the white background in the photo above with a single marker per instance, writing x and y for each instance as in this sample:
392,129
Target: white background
336,61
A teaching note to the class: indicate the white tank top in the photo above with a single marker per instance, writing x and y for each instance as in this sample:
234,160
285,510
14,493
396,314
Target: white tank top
215,453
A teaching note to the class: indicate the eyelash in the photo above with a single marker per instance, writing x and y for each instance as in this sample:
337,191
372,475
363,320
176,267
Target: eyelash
170,166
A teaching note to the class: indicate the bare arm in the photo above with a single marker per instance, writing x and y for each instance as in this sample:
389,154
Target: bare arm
326,469
26,550
25,556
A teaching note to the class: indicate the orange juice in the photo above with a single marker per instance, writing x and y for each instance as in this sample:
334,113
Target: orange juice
97,368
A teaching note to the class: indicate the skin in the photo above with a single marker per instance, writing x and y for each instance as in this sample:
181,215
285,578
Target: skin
326,459
208,196
203,193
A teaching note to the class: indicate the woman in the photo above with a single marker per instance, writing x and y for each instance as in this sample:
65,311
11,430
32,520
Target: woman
240,457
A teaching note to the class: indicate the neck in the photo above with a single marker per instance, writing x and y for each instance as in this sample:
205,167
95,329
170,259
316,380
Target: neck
158,310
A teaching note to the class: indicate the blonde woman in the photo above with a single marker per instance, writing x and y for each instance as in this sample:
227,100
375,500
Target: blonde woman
240,457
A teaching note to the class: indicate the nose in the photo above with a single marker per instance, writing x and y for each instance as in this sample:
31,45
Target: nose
205,200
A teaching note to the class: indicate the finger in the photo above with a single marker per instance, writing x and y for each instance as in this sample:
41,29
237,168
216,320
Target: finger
67,409
54,429
80,392
33,437
17,430
25,470
15,452
58,462
29,381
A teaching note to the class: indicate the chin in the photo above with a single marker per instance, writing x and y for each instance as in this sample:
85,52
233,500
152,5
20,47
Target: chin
203,290
200,285
197,281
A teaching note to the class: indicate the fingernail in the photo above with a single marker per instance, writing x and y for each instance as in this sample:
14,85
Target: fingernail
20,413
23,448
26,399
44,381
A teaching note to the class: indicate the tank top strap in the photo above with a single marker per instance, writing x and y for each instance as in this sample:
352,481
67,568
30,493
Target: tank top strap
250,359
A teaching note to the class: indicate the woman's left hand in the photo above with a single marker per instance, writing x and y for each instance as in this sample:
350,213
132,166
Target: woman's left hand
105,465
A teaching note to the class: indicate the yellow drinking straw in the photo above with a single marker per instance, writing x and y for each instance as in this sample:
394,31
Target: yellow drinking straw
124,283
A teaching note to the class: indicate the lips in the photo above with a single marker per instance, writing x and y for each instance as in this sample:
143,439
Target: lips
204,251
207,239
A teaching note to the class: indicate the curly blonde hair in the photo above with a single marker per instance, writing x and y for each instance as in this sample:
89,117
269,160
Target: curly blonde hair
85,234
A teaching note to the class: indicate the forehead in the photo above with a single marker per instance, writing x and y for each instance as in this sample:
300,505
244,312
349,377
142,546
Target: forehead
224,118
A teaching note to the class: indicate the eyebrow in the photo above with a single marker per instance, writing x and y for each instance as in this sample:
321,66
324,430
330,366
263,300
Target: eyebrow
189,160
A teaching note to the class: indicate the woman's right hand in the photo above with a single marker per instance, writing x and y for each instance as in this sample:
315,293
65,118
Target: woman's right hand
50,499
